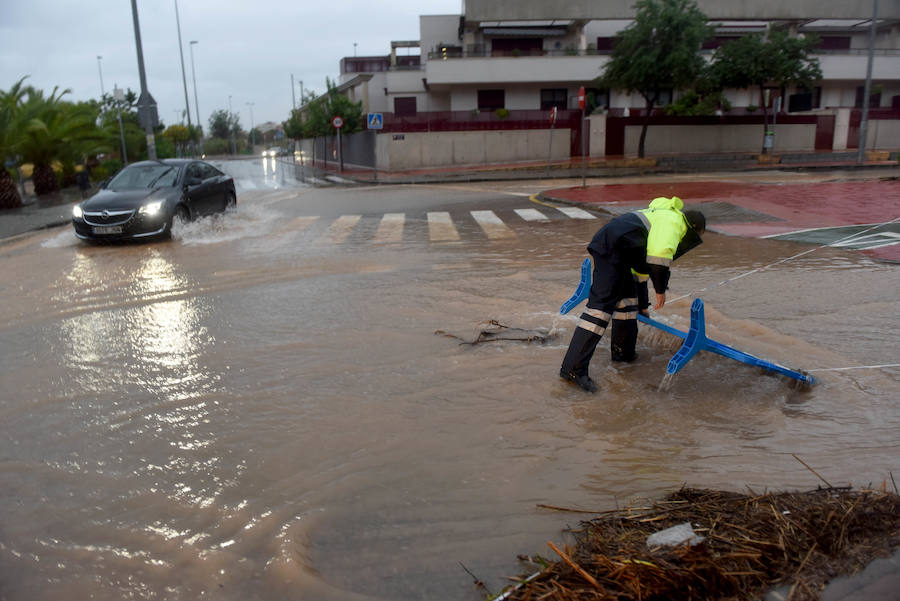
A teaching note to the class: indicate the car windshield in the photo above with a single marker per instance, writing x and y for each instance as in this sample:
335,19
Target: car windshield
156,175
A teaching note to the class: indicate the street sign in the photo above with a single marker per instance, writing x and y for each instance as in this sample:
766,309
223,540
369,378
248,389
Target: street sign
148,116
337,122
581,97
375,121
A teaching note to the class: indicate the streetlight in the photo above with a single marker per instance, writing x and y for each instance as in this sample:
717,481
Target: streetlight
100,69
252,134
231,126
119,97
194,75
187,103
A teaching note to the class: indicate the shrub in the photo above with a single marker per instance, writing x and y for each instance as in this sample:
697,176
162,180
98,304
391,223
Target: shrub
502,113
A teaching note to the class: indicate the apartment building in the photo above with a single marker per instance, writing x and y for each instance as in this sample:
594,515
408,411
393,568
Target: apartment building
530,56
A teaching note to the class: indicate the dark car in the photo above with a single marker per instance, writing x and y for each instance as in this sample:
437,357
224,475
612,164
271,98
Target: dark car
144,199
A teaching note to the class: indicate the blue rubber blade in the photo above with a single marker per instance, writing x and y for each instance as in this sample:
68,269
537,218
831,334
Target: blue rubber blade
583,290
695,340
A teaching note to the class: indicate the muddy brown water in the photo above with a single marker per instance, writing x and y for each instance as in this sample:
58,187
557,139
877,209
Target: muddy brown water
261,409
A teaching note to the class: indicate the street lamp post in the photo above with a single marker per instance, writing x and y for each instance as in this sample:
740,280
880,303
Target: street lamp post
100,70
293,97
194,76
252,133
187,103
119,97
231,126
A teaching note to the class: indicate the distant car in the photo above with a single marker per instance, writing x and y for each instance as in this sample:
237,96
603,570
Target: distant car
144,199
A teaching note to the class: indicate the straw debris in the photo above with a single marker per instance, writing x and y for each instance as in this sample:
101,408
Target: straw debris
752,543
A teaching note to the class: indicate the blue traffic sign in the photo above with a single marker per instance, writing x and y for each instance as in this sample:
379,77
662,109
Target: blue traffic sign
375,121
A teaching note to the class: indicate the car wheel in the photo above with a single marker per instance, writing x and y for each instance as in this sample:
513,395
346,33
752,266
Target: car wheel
180,216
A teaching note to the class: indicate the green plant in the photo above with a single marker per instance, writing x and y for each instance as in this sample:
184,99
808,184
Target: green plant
502,113
752,108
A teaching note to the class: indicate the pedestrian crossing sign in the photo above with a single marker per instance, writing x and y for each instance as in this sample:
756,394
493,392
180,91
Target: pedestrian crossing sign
375,121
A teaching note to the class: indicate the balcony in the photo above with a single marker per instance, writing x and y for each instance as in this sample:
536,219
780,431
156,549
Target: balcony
475,67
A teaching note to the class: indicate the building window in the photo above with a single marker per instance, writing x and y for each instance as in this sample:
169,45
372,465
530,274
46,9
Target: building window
874,98
554,97
517,47
665,97
605,45
405,106
596,98
491,100
833,42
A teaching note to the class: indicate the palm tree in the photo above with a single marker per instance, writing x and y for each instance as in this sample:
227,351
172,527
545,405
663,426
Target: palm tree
10,102
55,130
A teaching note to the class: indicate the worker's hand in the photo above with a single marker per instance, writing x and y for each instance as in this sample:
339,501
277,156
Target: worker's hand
660,301
645,312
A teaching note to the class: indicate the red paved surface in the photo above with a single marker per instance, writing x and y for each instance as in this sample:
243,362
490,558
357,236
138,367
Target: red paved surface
798,206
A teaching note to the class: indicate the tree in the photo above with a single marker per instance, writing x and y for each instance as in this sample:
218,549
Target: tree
110,112
659,51
771,58
55,130
223,125
320,112
10,138
293,127
179,135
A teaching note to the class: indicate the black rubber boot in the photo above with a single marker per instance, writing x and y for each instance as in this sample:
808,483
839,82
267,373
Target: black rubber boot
583,381
623,339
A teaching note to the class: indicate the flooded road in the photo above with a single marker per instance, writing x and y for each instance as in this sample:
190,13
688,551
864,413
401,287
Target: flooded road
262,408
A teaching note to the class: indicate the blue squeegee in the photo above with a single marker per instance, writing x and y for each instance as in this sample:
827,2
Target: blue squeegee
694,339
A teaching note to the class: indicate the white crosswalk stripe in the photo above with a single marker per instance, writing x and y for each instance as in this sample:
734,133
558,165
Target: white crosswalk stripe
576,213
340,229
492,225
531,215
441,228
390,229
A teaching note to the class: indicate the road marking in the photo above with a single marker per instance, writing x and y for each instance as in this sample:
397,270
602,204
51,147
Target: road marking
340,229
576,213
390,229
441,228
870,241
531,215
492,225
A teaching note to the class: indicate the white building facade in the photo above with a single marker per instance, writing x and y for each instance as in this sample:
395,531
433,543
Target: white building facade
524,57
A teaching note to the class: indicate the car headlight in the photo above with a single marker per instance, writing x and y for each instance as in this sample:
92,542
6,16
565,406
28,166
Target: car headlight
152,208
77,213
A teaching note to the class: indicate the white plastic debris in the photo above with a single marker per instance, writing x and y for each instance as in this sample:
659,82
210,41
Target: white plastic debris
674,536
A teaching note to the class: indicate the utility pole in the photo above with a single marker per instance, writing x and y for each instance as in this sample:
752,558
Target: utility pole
194,76
147,114
252,133
187,103
231,127
867,90
293,97
100,69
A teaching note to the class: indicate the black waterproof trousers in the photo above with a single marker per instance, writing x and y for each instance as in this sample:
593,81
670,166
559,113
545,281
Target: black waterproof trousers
613,297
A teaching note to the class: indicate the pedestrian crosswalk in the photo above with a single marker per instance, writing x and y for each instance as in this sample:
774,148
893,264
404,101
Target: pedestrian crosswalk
441,226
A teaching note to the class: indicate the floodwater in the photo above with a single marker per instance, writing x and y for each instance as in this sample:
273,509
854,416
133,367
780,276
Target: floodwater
264,408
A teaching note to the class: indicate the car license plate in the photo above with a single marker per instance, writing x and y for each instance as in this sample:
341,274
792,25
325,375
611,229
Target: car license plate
107,229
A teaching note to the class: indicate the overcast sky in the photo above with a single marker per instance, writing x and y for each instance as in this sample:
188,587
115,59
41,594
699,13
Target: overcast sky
245,49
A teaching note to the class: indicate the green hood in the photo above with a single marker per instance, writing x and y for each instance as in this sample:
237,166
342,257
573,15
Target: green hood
667,203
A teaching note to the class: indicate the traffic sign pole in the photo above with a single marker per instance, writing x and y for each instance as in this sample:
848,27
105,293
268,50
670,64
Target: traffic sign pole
581,106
